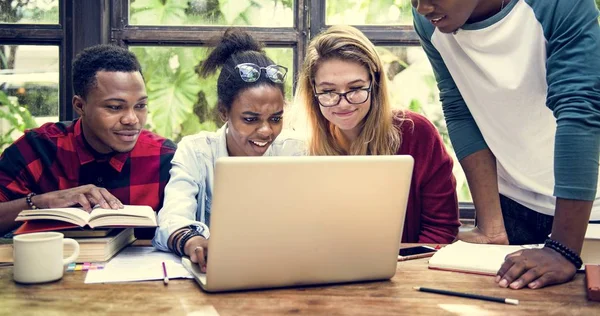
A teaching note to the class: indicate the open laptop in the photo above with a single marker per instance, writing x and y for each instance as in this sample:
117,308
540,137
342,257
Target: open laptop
290,221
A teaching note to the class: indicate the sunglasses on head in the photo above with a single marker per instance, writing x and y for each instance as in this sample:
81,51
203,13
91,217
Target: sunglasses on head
250,72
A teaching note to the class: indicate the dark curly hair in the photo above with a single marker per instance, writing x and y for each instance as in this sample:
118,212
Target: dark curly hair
233,48
100,58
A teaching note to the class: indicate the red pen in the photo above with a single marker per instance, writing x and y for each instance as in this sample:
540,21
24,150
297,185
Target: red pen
166,277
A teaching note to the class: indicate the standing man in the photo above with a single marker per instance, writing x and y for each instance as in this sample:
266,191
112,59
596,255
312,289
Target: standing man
104,157
519,83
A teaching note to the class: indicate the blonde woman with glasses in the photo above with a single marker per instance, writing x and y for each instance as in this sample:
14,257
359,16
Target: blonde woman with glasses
343,90
250,91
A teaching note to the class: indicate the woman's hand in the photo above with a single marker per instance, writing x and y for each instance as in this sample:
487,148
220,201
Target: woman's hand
197,249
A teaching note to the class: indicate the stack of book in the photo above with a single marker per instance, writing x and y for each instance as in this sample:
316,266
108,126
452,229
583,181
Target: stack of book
100,233
100,249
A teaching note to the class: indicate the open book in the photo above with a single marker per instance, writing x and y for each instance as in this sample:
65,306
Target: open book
129,216
473,258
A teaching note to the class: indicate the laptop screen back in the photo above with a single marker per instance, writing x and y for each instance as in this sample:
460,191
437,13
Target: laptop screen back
285,221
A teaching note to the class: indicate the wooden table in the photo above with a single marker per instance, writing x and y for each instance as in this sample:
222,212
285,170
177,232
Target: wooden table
71,296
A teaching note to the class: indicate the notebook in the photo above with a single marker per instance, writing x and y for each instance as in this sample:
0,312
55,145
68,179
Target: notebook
473,258
590,253
292,221
592,282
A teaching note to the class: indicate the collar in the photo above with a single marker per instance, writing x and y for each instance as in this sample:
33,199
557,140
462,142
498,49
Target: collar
222,150
86,155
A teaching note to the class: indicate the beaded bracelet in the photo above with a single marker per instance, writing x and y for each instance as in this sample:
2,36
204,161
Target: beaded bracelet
175,240
569,254
30,202
187,236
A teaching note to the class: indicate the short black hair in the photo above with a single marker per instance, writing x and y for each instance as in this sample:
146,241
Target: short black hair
101,57
235,47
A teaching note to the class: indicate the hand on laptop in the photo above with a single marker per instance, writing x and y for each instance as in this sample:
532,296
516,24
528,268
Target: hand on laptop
197,249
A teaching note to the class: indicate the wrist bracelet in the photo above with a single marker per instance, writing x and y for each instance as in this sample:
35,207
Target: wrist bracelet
177,242
181,243
189,235
174,241
564,251
30,202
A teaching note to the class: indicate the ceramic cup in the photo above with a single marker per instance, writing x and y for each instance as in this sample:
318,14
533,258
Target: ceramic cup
38,257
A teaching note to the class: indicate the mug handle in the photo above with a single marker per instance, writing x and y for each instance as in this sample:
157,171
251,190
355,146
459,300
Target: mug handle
75,254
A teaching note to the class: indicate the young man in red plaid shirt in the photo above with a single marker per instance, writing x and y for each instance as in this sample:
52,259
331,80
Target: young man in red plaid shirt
104,157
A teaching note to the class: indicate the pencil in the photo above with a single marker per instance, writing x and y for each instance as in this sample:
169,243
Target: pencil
166,277
468,295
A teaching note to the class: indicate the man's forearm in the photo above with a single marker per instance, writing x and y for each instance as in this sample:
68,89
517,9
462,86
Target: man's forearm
482,176
570,222
8,212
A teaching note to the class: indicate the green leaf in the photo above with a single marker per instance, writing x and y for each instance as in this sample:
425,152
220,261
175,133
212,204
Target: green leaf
209,87
154,12
415,106
172,99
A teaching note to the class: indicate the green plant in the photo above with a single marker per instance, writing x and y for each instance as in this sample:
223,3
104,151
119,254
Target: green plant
17,117
180,101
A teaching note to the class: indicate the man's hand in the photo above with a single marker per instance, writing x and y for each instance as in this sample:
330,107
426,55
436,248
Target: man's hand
477,236
86,195
534,268
197,249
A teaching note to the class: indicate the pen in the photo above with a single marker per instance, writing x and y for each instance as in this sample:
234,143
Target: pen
468,295
166,277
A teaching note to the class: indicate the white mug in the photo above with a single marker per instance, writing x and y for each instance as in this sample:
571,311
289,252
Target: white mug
38,257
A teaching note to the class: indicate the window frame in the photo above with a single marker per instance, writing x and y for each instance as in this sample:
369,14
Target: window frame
85,23
50,35
124,34
80,24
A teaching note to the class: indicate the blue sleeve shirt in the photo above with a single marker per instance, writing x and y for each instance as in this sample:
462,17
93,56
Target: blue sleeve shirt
525,83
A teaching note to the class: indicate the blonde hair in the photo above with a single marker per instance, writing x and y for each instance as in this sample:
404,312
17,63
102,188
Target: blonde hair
378,135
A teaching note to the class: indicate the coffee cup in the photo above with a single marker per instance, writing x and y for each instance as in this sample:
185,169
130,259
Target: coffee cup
38,257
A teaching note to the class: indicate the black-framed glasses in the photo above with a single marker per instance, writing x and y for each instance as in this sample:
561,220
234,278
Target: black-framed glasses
250,72
354,96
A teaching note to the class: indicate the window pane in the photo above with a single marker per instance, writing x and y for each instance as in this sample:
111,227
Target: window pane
414,87
29,12
368,12
265,13
29,94
180,101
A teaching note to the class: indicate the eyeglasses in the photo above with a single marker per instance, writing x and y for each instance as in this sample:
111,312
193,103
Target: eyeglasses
250,72
355,96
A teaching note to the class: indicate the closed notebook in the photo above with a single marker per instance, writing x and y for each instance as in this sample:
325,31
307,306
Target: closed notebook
590,254
473,258
592,282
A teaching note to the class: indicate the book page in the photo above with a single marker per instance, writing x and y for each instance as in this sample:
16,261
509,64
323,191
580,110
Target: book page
130,215
139,264
71,215
593,231
590,252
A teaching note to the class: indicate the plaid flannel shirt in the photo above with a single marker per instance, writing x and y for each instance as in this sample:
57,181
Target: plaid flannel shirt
55,157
